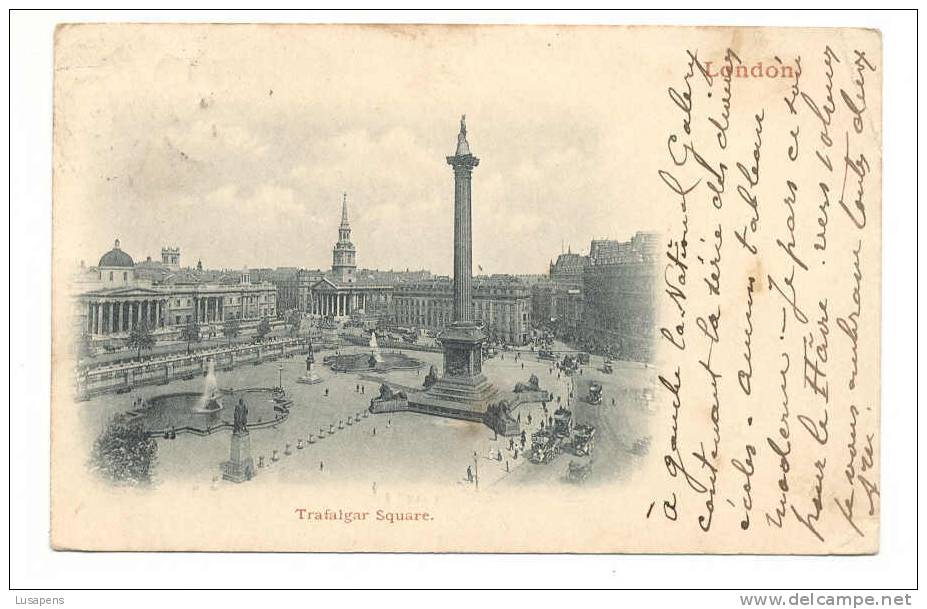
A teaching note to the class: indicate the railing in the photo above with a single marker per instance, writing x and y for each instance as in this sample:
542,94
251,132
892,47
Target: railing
123,377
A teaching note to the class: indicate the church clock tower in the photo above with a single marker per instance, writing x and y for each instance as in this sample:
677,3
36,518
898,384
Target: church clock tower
343,254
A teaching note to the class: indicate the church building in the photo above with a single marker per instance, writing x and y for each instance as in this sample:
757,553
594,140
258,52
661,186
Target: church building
344,292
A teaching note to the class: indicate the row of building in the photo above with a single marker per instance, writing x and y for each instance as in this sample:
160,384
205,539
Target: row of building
602,300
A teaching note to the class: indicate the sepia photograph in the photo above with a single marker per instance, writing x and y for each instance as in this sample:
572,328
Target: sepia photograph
426,276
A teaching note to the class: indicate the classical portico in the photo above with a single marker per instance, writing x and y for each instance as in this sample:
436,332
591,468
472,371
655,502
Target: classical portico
334,299
122,310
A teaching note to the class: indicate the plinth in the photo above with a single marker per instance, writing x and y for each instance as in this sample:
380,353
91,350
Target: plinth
463,385
240,466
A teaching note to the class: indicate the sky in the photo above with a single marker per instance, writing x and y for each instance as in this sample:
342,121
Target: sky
235,143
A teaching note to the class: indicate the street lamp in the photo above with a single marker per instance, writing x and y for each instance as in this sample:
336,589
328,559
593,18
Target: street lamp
280,369
476,470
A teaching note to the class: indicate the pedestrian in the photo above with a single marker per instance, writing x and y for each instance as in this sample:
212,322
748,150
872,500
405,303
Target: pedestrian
362,389
389,423
321,466
506,466
374,431
529,418
469,474
326,392
374,487
523,365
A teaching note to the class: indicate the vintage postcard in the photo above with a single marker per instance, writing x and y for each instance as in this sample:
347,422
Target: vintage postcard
434,288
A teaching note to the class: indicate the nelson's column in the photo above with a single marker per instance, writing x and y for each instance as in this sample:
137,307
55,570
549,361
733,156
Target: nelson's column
463,381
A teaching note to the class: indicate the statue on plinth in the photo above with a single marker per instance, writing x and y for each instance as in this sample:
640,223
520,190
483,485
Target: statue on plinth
240,466
241,418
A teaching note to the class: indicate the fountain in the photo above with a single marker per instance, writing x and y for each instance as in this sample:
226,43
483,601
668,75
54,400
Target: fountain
375,348
372,361
210,410
209,402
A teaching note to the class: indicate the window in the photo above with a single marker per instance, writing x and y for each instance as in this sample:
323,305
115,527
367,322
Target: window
110,275
125,275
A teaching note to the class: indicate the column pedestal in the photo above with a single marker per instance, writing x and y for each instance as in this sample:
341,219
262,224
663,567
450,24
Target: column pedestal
463,387
240,466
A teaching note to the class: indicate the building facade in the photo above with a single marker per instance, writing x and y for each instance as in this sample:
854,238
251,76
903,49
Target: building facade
502,303
294,288
564,295
117,296
619,284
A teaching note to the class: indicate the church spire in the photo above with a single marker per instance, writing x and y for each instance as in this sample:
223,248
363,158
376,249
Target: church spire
344,210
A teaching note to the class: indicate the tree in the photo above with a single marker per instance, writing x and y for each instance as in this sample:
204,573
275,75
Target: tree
294,320
263,329
190,333
141,338
124,453
231,329
84,346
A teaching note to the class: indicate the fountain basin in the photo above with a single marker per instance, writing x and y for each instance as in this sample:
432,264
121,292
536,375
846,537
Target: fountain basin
183,413
365,362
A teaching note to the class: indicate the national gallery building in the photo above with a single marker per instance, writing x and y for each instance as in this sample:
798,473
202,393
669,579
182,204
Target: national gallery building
117,295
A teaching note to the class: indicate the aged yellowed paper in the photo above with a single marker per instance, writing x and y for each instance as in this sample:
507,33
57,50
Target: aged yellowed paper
466,288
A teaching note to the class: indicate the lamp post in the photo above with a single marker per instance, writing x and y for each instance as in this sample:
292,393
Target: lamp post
280,370
476,470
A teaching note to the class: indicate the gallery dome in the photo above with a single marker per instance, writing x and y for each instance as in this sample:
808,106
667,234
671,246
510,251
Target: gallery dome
116,258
